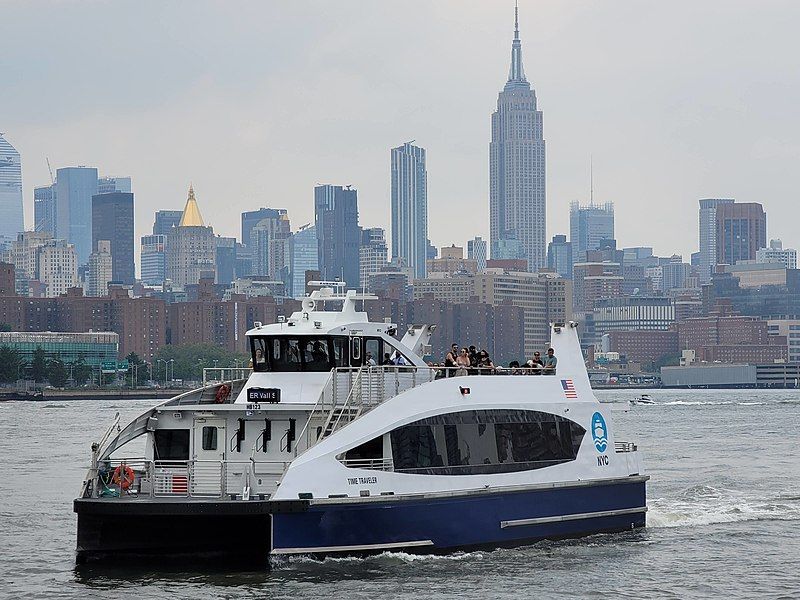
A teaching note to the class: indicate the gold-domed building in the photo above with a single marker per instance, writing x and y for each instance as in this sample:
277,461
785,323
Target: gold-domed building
190,248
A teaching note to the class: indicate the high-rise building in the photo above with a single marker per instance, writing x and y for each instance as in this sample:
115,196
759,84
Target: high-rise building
112,220
675,274
153,259
267,243
109,185
595,281
303,256
225,259
190,247
589,225
373,255
517,201
559,256
776,253
100,270
338,233
741,231
75,187
253,217
57,267
476,250
708,235
44,206
11,216
165,220
410,206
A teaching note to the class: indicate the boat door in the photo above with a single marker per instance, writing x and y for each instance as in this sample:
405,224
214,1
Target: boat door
208,454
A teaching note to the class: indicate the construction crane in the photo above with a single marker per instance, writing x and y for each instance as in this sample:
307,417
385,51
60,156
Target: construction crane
49,168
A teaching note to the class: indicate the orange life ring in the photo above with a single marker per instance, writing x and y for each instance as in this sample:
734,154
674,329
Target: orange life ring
123,476
222,394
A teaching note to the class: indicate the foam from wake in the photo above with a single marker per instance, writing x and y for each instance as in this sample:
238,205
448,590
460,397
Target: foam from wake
706,505
385,557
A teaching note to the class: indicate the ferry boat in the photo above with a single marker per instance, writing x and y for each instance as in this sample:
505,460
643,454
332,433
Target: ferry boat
342,440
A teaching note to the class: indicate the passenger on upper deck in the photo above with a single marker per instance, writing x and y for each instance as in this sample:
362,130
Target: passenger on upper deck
535,364
550,362
485,363
369,361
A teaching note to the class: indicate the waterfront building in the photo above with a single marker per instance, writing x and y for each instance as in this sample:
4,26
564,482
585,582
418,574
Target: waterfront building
165,221
708,235
100,270
44,206
741,231
57,267
477,251
642,346
338,233
589,227
559,256
112,220
776,253
75,187
373,254
517,201
731,338
637,313
152,259
790,329
94,348
410,207
11,215
303,257
190,248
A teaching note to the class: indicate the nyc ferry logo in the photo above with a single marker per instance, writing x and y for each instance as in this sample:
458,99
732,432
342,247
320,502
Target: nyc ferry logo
600,437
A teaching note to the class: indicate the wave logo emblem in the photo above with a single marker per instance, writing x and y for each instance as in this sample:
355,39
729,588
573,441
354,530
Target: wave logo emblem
599,432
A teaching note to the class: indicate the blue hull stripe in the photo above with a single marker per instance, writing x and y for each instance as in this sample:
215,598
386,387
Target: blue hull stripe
461,521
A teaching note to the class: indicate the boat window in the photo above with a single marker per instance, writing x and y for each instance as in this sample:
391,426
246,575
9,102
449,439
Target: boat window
340,351
372,352
302,353
483,442
171,444
209,438
355,352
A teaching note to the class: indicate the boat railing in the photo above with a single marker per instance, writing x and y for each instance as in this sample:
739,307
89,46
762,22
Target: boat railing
210,393
221,479
375,464
217,375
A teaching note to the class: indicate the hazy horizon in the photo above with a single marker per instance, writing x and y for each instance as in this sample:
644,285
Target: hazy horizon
255,105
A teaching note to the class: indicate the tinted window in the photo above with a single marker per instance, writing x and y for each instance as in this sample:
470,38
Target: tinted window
171,444
280,353
483,441
209,438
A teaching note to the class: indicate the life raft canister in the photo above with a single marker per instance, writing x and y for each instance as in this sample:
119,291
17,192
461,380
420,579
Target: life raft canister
222,394
123,476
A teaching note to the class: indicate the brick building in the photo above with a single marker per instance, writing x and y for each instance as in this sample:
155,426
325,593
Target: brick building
642,346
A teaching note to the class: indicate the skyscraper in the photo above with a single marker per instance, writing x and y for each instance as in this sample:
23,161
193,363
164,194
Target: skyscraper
410,207
476,250
266,241
372,255
165,220
708,235
517,202
112,220
251,218
75,187
100,270
109,185
153,259
559,256
190,248
303,256
338,233
11,217
588,226
44,206
741,232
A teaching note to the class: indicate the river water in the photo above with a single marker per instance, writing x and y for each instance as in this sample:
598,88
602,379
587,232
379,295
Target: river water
723,520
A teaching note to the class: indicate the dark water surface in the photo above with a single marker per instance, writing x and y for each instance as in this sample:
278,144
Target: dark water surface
724,518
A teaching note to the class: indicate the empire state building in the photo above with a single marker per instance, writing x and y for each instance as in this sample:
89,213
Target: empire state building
517,206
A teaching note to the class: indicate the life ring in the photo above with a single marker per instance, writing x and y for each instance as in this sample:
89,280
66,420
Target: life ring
123,476
223,393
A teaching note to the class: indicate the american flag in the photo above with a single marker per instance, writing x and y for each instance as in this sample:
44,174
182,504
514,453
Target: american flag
569,388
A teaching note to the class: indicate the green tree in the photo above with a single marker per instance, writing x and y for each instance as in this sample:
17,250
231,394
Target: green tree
137,367
81,371
57,373
11,364
39,365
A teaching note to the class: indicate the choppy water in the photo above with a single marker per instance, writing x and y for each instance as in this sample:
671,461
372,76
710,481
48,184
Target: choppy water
724,518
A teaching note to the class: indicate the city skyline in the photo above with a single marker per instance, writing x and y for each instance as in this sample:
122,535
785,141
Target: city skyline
565,61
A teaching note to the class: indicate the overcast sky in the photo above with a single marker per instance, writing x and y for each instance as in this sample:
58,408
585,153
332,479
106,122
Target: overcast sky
257,102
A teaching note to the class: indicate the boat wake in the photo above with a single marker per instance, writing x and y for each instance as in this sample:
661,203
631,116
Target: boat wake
706,505
397,558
